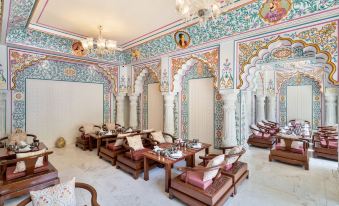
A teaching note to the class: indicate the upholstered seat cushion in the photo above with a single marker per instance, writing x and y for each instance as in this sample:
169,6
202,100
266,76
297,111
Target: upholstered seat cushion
112,147
196,179
296,149
213,162
137,155
10,175
331,144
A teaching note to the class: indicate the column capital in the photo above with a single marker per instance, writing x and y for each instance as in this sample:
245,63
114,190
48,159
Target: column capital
133,98
120,96
169,97
229,95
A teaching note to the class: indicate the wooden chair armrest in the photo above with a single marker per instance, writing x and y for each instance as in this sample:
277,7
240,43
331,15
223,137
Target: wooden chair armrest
200,169
208,157
87,187
32,135
127,147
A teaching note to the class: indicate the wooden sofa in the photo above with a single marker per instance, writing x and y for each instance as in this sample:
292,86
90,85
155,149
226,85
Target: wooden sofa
191,189
325,143
234,168
261,137
85,141
132,161
291,150
17,184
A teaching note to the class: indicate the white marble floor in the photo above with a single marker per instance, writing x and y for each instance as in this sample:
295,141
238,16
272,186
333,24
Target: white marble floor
270,183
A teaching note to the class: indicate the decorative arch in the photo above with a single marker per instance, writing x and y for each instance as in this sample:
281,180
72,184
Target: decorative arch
58,70
140,80
176,84
283,48
296,79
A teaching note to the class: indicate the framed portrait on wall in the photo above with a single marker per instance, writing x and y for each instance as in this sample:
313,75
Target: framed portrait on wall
273,11
182,39
78,49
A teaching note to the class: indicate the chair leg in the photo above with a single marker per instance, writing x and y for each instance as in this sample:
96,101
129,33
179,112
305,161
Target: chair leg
306,166
270,158
135,175
170,195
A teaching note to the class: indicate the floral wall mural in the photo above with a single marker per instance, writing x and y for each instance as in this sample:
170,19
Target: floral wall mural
324,35
24,65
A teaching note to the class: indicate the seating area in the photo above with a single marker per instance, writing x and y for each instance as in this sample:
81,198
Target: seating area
176,102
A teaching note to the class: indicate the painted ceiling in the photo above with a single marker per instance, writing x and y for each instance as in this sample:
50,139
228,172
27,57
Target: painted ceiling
124,24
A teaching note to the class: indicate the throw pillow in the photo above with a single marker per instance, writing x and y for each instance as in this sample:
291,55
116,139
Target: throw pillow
157,136
135,142
234,150
119,141
17,137
21,166
214,162
58,195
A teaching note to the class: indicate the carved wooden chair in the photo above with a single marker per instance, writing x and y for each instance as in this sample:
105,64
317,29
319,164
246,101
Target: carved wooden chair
192,188
291,150
272,125
110,126
32,178
162,139
233,168
85,140
111,146
132,161
11,139
260,137
326,143
87,187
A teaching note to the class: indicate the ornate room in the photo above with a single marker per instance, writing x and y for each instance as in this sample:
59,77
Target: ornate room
171,102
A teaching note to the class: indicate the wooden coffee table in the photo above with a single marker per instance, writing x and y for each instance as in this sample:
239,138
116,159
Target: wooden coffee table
188,155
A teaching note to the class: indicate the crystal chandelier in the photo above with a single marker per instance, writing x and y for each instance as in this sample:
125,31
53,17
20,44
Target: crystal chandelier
202,9
100,46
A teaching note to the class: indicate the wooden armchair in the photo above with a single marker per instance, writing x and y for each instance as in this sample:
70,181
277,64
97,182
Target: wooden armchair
165,141
85,141
111,146
291,150
233,168
21,183
132,161
260,137
6,140
110,126
267,128
191,188
326,144
87,187
273,125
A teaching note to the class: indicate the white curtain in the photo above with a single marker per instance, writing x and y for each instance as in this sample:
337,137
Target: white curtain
57,108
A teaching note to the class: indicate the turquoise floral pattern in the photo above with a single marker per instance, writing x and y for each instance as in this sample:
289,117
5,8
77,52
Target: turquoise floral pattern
57,71
316,96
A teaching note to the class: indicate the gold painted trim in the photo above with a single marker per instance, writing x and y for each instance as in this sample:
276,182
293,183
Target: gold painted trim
48,57
210,68
150,70
329,58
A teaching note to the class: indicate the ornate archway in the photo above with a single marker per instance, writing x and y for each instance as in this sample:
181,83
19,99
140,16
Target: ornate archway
286,49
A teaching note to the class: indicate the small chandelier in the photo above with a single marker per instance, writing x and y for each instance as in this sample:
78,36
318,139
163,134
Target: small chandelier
100,46
202,9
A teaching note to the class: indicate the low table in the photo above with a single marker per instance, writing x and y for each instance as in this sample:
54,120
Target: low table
188,155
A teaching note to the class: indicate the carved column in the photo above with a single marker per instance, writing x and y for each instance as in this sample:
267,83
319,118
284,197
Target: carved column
133,120
120,109
3,102
330,108
230,98
169,113
271,107
260,107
